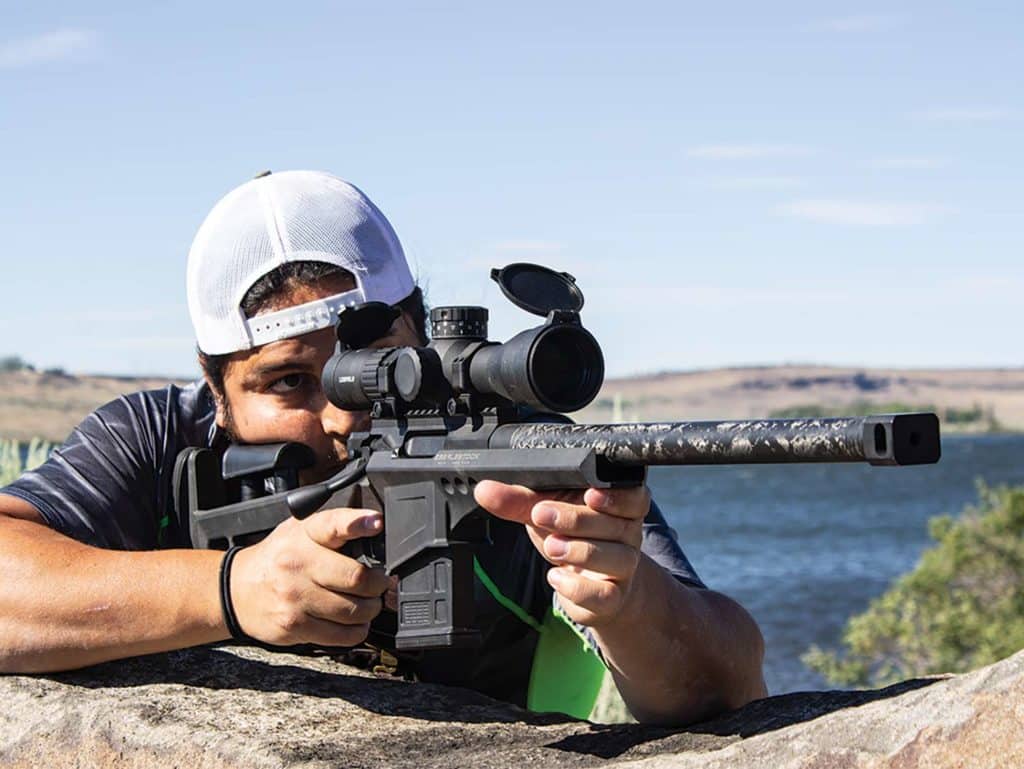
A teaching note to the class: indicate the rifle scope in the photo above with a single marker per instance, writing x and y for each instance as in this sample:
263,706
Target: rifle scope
557,366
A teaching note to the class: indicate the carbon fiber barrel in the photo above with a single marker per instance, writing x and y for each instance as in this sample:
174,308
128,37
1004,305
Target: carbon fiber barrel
892,439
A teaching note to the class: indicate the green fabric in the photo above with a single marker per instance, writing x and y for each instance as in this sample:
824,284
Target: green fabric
162,529
567,673
508,603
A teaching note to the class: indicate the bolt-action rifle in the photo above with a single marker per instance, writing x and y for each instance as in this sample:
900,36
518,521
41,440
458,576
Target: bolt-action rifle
450,414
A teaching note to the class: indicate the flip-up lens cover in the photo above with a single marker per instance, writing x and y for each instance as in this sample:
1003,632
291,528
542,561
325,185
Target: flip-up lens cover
538,289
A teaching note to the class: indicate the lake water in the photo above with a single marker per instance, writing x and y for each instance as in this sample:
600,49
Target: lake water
803,547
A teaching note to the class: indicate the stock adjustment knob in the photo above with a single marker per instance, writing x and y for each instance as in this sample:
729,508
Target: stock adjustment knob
458,323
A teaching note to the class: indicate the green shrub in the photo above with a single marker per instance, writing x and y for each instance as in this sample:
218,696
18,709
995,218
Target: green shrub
954,415
11,465
960,608
10,363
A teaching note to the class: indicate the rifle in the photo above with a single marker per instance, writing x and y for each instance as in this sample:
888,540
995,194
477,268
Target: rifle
450,414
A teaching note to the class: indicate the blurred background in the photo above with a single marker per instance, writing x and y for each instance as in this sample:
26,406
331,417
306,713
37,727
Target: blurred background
822,198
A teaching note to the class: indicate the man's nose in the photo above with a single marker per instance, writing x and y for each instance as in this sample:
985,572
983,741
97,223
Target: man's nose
342,423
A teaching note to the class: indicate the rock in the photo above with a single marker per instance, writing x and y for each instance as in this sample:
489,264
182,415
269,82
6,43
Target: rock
241,707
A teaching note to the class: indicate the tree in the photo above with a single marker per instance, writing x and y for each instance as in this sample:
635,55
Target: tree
960,608
13,363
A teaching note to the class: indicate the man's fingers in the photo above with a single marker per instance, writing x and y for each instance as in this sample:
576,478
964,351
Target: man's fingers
625,503
342,609
341,574
321,632
587,601
333,528
580,522
391,595
610,559
514,503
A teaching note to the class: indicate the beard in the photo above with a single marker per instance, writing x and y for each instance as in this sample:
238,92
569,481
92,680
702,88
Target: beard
325,465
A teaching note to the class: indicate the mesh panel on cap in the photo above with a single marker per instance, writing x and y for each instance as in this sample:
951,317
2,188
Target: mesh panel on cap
234,244
291,216
330,217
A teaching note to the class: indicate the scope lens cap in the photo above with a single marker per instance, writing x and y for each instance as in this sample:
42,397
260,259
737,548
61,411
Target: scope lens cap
362,324
538,289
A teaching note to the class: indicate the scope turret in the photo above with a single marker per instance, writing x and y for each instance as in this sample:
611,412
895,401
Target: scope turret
458,323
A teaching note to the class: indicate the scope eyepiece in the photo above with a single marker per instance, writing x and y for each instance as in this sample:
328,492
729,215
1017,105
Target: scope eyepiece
353,379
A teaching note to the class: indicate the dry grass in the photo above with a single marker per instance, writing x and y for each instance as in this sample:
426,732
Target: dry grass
48,406
746,393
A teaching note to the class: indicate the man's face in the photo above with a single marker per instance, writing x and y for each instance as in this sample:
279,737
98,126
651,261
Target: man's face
272,393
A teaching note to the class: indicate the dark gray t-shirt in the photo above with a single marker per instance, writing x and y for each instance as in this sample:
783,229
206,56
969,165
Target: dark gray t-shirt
110,486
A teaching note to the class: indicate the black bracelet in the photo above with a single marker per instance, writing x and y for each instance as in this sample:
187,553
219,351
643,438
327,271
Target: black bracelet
226,607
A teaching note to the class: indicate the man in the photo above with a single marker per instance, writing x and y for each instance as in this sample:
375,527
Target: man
93,561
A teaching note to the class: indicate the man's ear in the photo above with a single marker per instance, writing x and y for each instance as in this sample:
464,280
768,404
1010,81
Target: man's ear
219,403
222,410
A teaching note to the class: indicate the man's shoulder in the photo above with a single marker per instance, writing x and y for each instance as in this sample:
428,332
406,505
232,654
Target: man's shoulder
186,410
193,400
109,484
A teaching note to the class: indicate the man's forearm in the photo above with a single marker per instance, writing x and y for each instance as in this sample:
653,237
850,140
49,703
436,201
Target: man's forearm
679,654
65,605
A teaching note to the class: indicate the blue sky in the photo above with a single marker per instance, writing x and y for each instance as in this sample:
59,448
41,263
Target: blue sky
731,184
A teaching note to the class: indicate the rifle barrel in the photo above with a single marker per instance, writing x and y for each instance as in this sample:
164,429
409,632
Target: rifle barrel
887,439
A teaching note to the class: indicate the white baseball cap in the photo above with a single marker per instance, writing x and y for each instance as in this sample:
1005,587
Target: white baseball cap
288,217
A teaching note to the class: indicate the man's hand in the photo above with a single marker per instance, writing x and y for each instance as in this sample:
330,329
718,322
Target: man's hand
294,587
592,539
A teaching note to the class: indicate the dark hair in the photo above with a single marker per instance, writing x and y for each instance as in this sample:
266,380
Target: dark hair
288,275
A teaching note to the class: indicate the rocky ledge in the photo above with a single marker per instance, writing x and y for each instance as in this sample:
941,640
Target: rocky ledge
241,707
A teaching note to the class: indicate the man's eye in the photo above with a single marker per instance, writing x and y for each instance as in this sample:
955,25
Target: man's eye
288,383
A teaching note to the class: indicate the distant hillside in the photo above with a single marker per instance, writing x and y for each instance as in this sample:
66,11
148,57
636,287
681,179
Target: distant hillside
49,405
966,399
